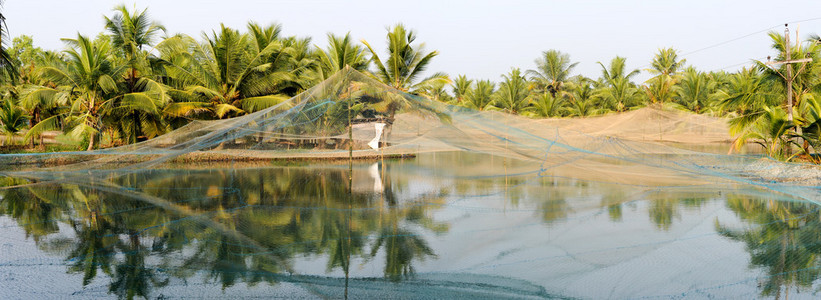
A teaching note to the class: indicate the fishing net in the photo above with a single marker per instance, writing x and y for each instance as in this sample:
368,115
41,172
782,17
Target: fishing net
353,116
308,195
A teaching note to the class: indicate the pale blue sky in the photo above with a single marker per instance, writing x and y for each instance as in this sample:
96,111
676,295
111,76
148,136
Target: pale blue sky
482,39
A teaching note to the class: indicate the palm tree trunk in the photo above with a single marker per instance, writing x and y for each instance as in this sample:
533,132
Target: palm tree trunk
42,145
33,121
135,127
93,134
91,142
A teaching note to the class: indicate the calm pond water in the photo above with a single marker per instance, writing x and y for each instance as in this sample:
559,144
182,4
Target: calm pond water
440,225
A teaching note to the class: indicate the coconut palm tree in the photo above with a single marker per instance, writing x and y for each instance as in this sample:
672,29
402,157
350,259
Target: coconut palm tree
302,64
616,71
811,132
26,58
461,87
130,32
87,81
480,97
40,97
138,115
749,97
620,94
544,105
405,62
806,77
437,92
341,52
696,91
232,73
512,93
616,88
582,98
552,70
12,118
138,111
666,62
665,66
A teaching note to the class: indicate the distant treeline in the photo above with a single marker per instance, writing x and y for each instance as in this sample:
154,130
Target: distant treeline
134,81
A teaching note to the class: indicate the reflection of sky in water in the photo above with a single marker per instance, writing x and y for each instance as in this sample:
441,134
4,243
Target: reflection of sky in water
445,225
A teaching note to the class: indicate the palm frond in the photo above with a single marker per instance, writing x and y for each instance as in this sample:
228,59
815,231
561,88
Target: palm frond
221,110
51,123
253,104
186,109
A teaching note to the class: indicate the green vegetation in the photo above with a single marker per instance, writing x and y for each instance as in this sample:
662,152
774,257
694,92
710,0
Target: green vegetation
134,81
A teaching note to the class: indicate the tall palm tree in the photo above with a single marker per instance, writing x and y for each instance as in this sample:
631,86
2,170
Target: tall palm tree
341,52
552,70
544,105
437,92
617,91
696,91
405,62
88,81
232,73
512,93
616,71
666,62
582,98
748,97
262,36
302,63
620,94
461,87
40,97
138,111
480,97
130,32
665,66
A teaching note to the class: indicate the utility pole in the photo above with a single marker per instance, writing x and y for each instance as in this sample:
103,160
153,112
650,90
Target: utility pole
788,77
788,58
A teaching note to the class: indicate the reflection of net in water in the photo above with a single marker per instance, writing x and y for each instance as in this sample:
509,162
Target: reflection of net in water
155,217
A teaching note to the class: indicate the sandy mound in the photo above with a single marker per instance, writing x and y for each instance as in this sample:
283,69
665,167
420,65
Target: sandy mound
651,124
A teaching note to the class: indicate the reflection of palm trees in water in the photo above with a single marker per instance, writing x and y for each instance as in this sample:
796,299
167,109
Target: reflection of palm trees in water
784,239
131,275
35,215
665,206
275,214
98,244
93,249
401,246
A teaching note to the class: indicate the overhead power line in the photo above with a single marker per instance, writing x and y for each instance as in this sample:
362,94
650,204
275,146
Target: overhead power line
739,64
729,41
747,35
